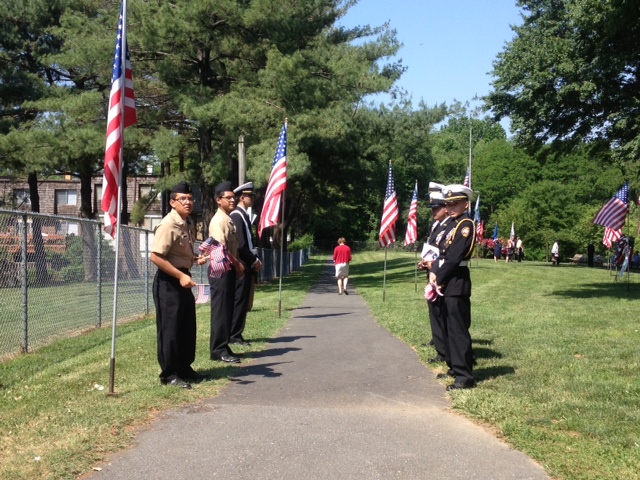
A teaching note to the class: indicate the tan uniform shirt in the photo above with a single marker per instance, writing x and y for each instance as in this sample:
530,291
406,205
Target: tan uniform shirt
174,239
223,230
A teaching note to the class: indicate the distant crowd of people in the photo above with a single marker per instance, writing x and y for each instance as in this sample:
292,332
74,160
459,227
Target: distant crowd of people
513,249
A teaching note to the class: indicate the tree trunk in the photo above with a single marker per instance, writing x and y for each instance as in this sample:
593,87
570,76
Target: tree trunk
40,257
87,230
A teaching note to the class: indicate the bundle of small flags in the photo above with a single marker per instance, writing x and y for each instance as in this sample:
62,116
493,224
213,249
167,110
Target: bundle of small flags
219,260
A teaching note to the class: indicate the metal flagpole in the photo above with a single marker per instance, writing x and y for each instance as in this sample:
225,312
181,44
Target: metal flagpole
470,147
384,275
123,59
415,267
282,240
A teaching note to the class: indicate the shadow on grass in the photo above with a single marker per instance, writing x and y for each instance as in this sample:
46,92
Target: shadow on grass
488,373
481,352
620,289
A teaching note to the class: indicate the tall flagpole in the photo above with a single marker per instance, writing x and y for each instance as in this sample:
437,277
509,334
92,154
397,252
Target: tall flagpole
384,275
470,148
123,59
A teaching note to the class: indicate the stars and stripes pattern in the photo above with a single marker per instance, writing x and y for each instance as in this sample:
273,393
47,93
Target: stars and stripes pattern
412,224
467,179
611,236
613,214
277,185
480,230
120,85
390,212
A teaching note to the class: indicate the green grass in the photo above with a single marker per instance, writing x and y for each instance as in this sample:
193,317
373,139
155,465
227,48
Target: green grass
558,357
56,422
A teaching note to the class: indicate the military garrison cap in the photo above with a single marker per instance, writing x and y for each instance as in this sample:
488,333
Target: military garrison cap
457,193
244,189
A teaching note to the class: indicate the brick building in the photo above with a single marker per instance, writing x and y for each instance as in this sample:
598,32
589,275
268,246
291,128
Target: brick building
62,197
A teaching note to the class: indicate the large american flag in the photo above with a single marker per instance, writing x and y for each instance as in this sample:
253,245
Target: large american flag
390,213
120,84
613,214
611,236
277,184
412,225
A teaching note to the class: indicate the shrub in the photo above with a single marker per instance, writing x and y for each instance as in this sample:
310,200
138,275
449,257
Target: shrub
302,243
72,274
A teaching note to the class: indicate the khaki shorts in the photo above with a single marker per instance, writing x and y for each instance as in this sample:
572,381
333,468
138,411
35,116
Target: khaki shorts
342,270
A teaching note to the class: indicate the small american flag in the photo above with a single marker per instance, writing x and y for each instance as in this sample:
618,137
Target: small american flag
219,260
614,212
480,230
120,84
467,179
611,236
277,184
390,213
412,224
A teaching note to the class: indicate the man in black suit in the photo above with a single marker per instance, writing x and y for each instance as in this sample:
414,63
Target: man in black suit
452,278
436,319
247,254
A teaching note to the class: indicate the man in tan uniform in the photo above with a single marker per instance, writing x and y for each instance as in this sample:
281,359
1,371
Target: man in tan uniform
223,230
172,252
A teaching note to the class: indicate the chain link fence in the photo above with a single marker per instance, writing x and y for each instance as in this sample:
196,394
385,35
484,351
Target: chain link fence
57,277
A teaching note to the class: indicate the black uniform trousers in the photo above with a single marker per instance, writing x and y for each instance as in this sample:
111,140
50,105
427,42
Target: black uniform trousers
222,300
241,304
457,338
176,326
436,318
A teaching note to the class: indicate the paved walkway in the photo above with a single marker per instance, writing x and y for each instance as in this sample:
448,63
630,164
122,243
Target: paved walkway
335,396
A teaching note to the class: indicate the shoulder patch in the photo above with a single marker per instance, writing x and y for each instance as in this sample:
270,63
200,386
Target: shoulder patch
466,231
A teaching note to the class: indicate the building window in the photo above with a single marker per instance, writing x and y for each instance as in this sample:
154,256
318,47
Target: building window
21,197
97,200
144,190
66,197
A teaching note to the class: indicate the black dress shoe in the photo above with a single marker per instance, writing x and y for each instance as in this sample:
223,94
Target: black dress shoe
226,358
346,293
193,376
436,359
449,374
178,382
461,385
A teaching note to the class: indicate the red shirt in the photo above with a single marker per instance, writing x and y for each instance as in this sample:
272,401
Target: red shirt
342,254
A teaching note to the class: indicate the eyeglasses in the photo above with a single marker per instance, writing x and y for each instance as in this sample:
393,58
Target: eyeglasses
184,200
229,198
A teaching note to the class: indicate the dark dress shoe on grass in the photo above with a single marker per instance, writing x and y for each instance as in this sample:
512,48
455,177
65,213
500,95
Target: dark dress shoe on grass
436,359
227,358
178,382
449,374
461,385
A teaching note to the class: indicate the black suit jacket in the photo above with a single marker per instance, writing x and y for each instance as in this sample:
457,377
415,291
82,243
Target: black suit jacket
242,222
456,247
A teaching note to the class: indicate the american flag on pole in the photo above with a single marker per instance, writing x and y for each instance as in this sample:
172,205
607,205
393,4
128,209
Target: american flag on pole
277,184
412,224
121,85
480,230
467,179
613,214
611,236
390,213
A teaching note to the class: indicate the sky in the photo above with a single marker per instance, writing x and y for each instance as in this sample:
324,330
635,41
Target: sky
448,45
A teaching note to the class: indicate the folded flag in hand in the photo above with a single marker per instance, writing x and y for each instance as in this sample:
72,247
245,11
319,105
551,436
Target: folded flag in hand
219,260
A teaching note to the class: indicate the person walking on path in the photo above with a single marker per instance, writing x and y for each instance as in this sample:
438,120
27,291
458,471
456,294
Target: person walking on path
173,253
247,254
223,288
451,277
341,259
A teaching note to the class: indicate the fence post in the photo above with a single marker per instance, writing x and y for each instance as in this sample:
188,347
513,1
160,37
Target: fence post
146,273
99,270
25,298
